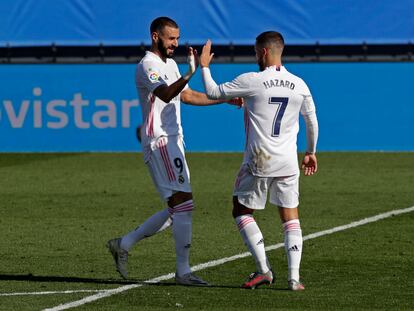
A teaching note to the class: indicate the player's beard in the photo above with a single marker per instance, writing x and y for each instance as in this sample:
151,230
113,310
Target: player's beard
164,50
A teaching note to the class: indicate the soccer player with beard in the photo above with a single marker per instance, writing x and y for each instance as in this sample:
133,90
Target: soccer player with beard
161,88
274,98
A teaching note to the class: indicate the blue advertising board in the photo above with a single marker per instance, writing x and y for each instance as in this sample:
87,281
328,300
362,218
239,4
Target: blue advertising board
71,108
67,107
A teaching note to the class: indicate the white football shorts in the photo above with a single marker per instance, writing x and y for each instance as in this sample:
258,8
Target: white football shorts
167,166
251,190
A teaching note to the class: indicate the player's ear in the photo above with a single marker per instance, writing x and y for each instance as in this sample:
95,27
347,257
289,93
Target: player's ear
154,36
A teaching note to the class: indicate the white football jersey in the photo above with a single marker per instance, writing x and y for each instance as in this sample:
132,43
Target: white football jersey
273,100
159,118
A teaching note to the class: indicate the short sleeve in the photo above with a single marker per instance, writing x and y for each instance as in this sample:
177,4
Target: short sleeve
149,76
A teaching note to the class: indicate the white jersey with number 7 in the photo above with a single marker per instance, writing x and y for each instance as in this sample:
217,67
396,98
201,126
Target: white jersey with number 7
273,100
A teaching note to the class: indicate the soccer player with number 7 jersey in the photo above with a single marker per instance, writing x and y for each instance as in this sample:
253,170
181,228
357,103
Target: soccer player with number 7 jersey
273,100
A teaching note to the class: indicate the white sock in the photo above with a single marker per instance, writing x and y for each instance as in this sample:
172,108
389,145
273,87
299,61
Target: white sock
293,247
156,223
253,238
182,230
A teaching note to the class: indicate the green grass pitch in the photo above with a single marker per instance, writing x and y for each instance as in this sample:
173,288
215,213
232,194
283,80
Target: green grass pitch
58,210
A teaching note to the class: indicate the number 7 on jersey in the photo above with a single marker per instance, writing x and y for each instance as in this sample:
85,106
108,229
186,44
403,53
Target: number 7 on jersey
282,104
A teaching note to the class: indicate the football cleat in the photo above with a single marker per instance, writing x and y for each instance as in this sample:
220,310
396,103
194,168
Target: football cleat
120,256
273,276
256,279
295,285
190,279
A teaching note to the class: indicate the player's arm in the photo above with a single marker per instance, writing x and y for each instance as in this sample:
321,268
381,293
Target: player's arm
191,97
167,92
236,88
310,163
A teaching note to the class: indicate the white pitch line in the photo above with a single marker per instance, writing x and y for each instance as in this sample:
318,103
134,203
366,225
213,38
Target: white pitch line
54,292
221,261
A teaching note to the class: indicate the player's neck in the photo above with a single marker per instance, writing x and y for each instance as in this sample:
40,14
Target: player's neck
157,52
276,64
273,61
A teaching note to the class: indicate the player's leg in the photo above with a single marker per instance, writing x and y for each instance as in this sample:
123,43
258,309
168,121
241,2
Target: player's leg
156,223
251,234
181,208
120,247
293,245
180,202
285,194
153,225
249,194
160,220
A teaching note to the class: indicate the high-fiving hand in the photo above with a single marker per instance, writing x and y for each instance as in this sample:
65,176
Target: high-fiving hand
206,55
192,60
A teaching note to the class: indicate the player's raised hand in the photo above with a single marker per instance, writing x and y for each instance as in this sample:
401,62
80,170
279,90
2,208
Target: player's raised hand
196,58
206,55
309,164
192,60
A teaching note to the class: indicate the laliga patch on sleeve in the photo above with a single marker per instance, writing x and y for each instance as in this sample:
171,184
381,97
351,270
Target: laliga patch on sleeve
153,75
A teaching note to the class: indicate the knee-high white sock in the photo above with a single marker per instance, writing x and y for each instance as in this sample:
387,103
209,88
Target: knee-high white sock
182,231
293,247
253,238
156,223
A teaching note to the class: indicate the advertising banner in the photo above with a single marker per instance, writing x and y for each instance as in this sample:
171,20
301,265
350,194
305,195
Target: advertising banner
74,108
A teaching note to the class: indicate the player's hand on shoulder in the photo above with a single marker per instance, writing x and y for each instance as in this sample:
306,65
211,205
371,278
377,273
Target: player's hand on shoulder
309,164
206,55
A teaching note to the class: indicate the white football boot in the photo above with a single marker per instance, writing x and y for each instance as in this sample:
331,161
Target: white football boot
295,285
190,279
120,256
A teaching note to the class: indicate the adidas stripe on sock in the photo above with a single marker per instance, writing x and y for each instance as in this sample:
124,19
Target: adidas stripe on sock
253,238
182,231
293,247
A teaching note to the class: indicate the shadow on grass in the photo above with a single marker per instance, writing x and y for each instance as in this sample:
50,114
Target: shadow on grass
63,279
69,279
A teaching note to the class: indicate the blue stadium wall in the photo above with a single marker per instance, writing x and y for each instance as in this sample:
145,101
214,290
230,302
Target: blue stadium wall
65,108
93,22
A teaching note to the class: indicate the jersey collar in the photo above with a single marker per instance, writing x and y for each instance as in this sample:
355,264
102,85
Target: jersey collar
154,56
277,68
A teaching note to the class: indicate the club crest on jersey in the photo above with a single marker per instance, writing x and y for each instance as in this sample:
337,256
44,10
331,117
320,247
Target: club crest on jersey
153,76
181,179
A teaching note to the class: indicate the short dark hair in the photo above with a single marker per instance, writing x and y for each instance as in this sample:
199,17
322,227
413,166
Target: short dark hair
268,38
159,23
